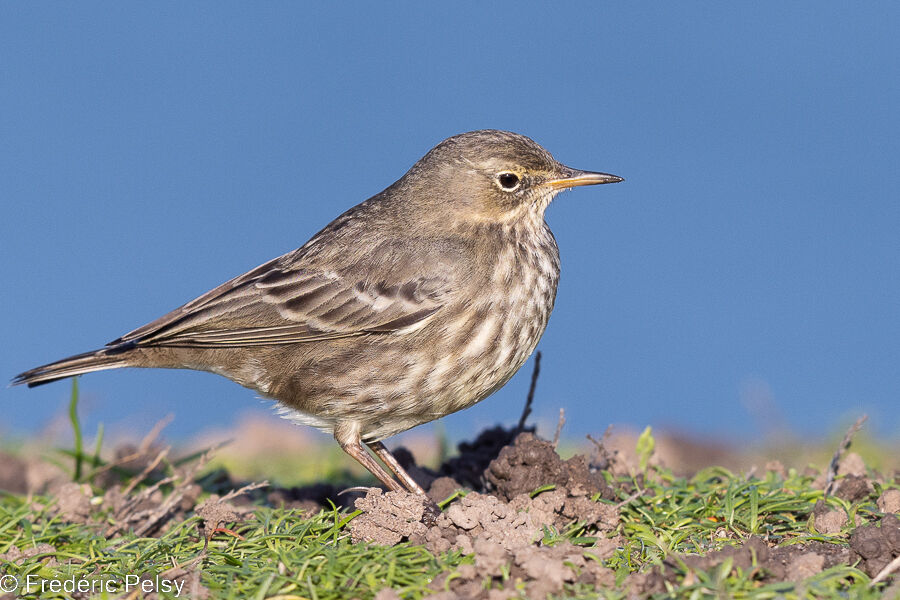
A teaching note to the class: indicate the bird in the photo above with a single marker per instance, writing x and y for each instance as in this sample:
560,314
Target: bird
414,304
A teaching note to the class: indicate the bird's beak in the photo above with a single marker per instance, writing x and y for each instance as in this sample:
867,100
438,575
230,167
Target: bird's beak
570,178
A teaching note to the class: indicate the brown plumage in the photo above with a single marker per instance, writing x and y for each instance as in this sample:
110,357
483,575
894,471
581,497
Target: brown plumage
419,302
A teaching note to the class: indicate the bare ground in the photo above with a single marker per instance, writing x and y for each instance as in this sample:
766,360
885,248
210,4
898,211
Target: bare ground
507,489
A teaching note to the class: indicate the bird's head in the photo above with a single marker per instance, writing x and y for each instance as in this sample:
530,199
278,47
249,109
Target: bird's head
496,176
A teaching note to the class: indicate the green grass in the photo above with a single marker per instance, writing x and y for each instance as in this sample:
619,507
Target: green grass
283,554
717,508
287,555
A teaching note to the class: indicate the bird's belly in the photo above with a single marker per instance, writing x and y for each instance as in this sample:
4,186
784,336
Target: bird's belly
398,383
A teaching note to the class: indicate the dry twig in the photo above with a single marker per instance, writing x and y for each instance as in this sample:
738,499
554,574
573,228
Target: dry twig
142,450
836,459
526,412
244,490
147,470
154,432
601,458
127,516
559,426
630,498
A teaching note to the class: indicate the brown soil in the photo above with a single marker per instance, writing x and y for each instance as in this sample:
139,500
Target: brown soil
530,463
508,487
877,544
503,526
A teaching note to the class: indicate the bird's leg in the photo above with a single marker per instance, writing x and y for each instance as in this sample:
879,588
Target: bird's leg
431,510
387,458
352,445
350,442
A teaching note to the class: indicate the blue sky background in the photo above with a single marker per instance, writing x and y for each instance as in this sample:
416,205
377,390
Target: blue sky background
747,272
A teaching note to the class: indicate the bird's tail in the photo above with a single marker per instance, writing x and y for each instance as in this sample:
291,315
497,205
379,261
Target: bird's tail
97,360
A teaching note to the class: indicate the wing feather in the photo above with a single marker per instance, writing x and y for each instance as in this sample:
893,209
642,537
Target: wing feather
276,304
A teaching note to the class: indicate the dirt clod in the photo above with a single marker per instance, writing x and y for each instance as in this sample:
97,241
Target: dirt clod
531,463
387,594
854,488
805,566
828,521
388,518
216,513
777,467
889,501
13,473
74,503
501,530
852,464
877,544
541,570
15,555
474,457
794,562
442,488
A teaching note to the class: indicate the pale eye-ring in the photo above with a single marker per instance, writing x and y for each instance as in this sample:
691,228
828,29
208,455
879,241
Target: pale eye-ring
508,181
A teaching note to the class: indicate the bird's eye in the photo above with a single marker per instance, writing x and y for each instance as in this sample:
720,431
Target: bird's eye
508,181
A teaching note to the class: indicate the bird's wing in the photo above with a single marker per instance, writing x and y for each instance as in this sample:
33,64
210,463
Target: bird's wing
275,304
